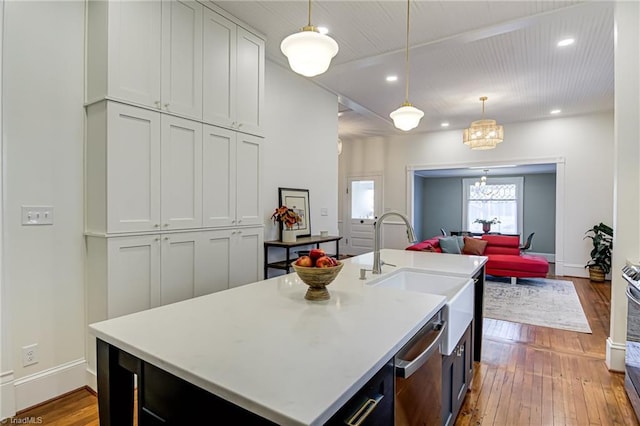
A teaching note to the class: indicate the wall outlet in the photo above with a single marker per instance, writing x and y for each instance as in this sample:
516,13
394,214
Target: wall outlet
30,355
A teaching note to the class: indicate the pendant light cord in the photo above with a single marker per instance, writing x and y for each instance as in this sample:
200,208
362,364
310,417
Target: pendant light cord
309,13
406,94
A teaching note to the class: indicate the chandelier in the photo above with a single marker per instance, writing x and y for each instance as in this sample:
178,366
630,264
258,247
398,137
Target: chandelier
309,52
407,116
483,134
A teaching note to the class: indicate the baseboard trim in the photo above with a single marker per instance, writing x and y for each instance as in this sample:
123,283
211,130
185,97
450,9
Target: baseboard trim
48,384
92,380
7,395
551,257
575,270
615,355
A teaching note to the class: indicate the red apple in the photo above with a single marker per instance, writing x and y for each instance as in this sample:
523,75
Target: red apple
324,262
316,253
304,261
334,261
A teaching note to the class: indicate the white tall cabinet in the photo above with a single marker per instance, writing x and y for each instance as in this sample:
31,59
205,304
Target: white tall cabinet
173,154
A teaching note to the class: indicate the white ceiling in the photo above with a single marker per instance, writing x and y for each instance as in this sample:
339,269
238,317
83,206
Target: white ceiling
459,51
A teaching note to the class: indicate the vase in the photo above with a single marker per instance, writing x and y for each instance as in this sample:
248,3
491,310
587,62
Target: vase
288,236
486,227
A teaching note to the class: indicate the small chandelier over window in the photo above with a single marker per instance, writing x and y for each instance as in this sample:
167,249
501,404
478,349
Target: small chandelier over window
483,134
308,51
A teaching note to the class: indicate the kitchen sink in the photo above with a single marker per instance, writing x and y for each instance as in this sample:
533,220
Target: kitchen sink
458,310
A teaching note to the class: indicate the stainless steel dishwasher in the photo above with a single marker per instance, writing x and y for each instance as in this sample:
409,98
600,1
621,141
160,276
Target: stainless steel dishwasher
418,366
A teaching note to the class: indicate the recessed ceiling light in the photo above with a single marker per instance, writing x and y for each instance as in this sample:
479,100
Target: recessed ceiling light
565,42
555,111
391,78
323,30
444,124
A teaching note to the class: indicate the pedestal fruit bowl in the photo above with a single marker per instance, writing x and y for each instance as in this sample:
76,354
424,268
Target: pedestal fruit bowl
318,277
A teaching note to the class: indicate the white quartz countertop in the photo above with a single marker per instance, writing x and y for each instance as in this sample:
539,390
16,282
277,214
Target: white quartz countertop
265,348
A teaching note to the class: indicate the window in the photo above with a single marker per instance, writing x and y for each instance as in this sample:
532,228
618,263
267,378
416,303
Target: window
499,198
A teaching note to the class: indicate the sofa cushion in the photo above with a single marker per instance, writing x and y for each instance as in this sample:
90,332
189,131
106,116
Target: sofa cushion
426,245
502,244
474,246
450,245
526,262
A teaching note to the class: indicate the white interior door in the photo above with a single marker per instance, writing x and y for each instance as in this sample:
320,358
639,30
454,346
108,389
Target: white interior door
364,204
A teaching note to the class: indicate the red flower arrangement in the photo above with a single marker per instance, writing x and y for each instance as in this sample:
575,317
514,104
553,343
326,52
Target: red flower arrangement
288,217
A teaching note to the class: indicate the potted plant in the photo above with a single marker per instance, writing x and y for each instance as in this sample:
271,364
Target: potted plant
486,223
599,265
288,218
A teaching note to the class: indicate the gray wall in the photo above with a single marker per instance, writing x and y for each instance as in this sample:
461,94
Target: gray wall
438,204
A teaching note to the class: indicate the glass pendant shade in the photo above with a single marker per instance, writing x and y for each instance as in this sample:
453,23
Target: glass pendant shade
406,117
483,134
309,52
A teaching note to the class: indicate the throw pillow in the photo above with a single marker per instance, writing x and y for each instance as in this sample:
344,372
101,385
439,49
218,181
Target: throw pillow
450,245
474,246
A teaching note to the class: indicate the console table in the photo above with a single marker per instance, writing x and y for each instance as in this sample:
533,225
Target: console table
302,241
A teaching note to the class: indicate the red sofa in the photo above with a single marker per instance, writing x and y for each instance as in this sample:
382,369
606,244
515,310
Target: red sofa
505,258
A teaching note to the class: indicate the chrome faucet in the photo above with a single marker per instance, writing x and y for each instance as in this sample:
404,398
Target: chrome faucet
377,263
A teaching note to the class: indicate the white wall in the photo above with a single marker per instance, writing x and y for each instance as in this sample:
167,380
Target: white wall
585,143
300,150
43,62
626,244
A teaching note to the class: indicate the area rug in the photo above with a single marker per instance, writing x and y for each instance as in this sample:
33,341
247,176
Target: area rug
535,301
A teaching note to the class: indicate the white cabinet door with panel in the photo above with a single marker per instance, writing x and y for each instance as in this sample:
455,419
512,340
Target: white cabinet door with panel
250,82
133,270
179,266
182,57
248,172
247,255
181,173
231,174
123,168
124,51
233,75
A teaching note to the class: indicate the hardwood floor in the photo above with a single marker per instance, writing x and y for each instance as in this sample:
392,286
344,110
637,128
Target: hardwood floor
529,376
543,376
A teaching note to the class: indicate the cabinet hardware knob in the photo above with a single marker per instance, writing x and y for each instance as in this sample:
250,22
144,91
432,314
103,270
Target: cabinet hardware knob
239,220
166,106
239,125
233,221
166,238
166,225
157,103
239,232
156,225
156,239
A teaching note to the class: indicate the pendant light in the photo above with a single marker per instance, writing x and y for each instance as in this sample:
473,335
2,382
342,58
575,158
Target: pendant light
308,51
483,134
407,116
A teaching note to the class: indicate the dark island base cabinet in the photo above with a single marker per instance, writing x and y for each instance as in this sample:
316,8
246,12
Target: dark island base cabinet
164,399
478,314
457,372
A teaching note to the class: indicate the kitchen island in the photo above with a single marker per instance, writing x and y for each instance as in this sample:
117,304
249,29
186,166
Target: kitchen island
263,349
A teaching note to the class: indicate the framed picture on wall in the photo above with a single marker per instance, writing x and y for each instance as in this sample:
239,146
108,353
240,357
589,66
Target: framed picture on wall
297,200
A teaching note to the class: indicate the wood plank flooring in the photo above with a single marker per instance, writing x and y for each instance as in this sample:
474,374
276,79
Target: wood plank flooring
529,376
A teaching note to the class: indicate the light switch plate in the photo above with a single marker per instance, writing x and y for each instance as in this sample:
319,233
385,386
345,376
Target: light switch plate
37,215
324,211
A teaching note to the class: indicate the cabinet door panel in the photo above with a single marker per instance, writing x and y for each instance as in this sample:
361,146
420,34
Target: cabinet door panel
179,266
133,195
134,51
134,274
246,262
215,262
248,171
250,84
181,173
182,57
219,176
219,71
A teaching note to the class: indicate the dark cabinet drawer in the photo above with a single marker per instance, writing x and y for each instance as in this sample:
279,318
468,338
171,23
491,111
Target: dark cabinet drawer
375,400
